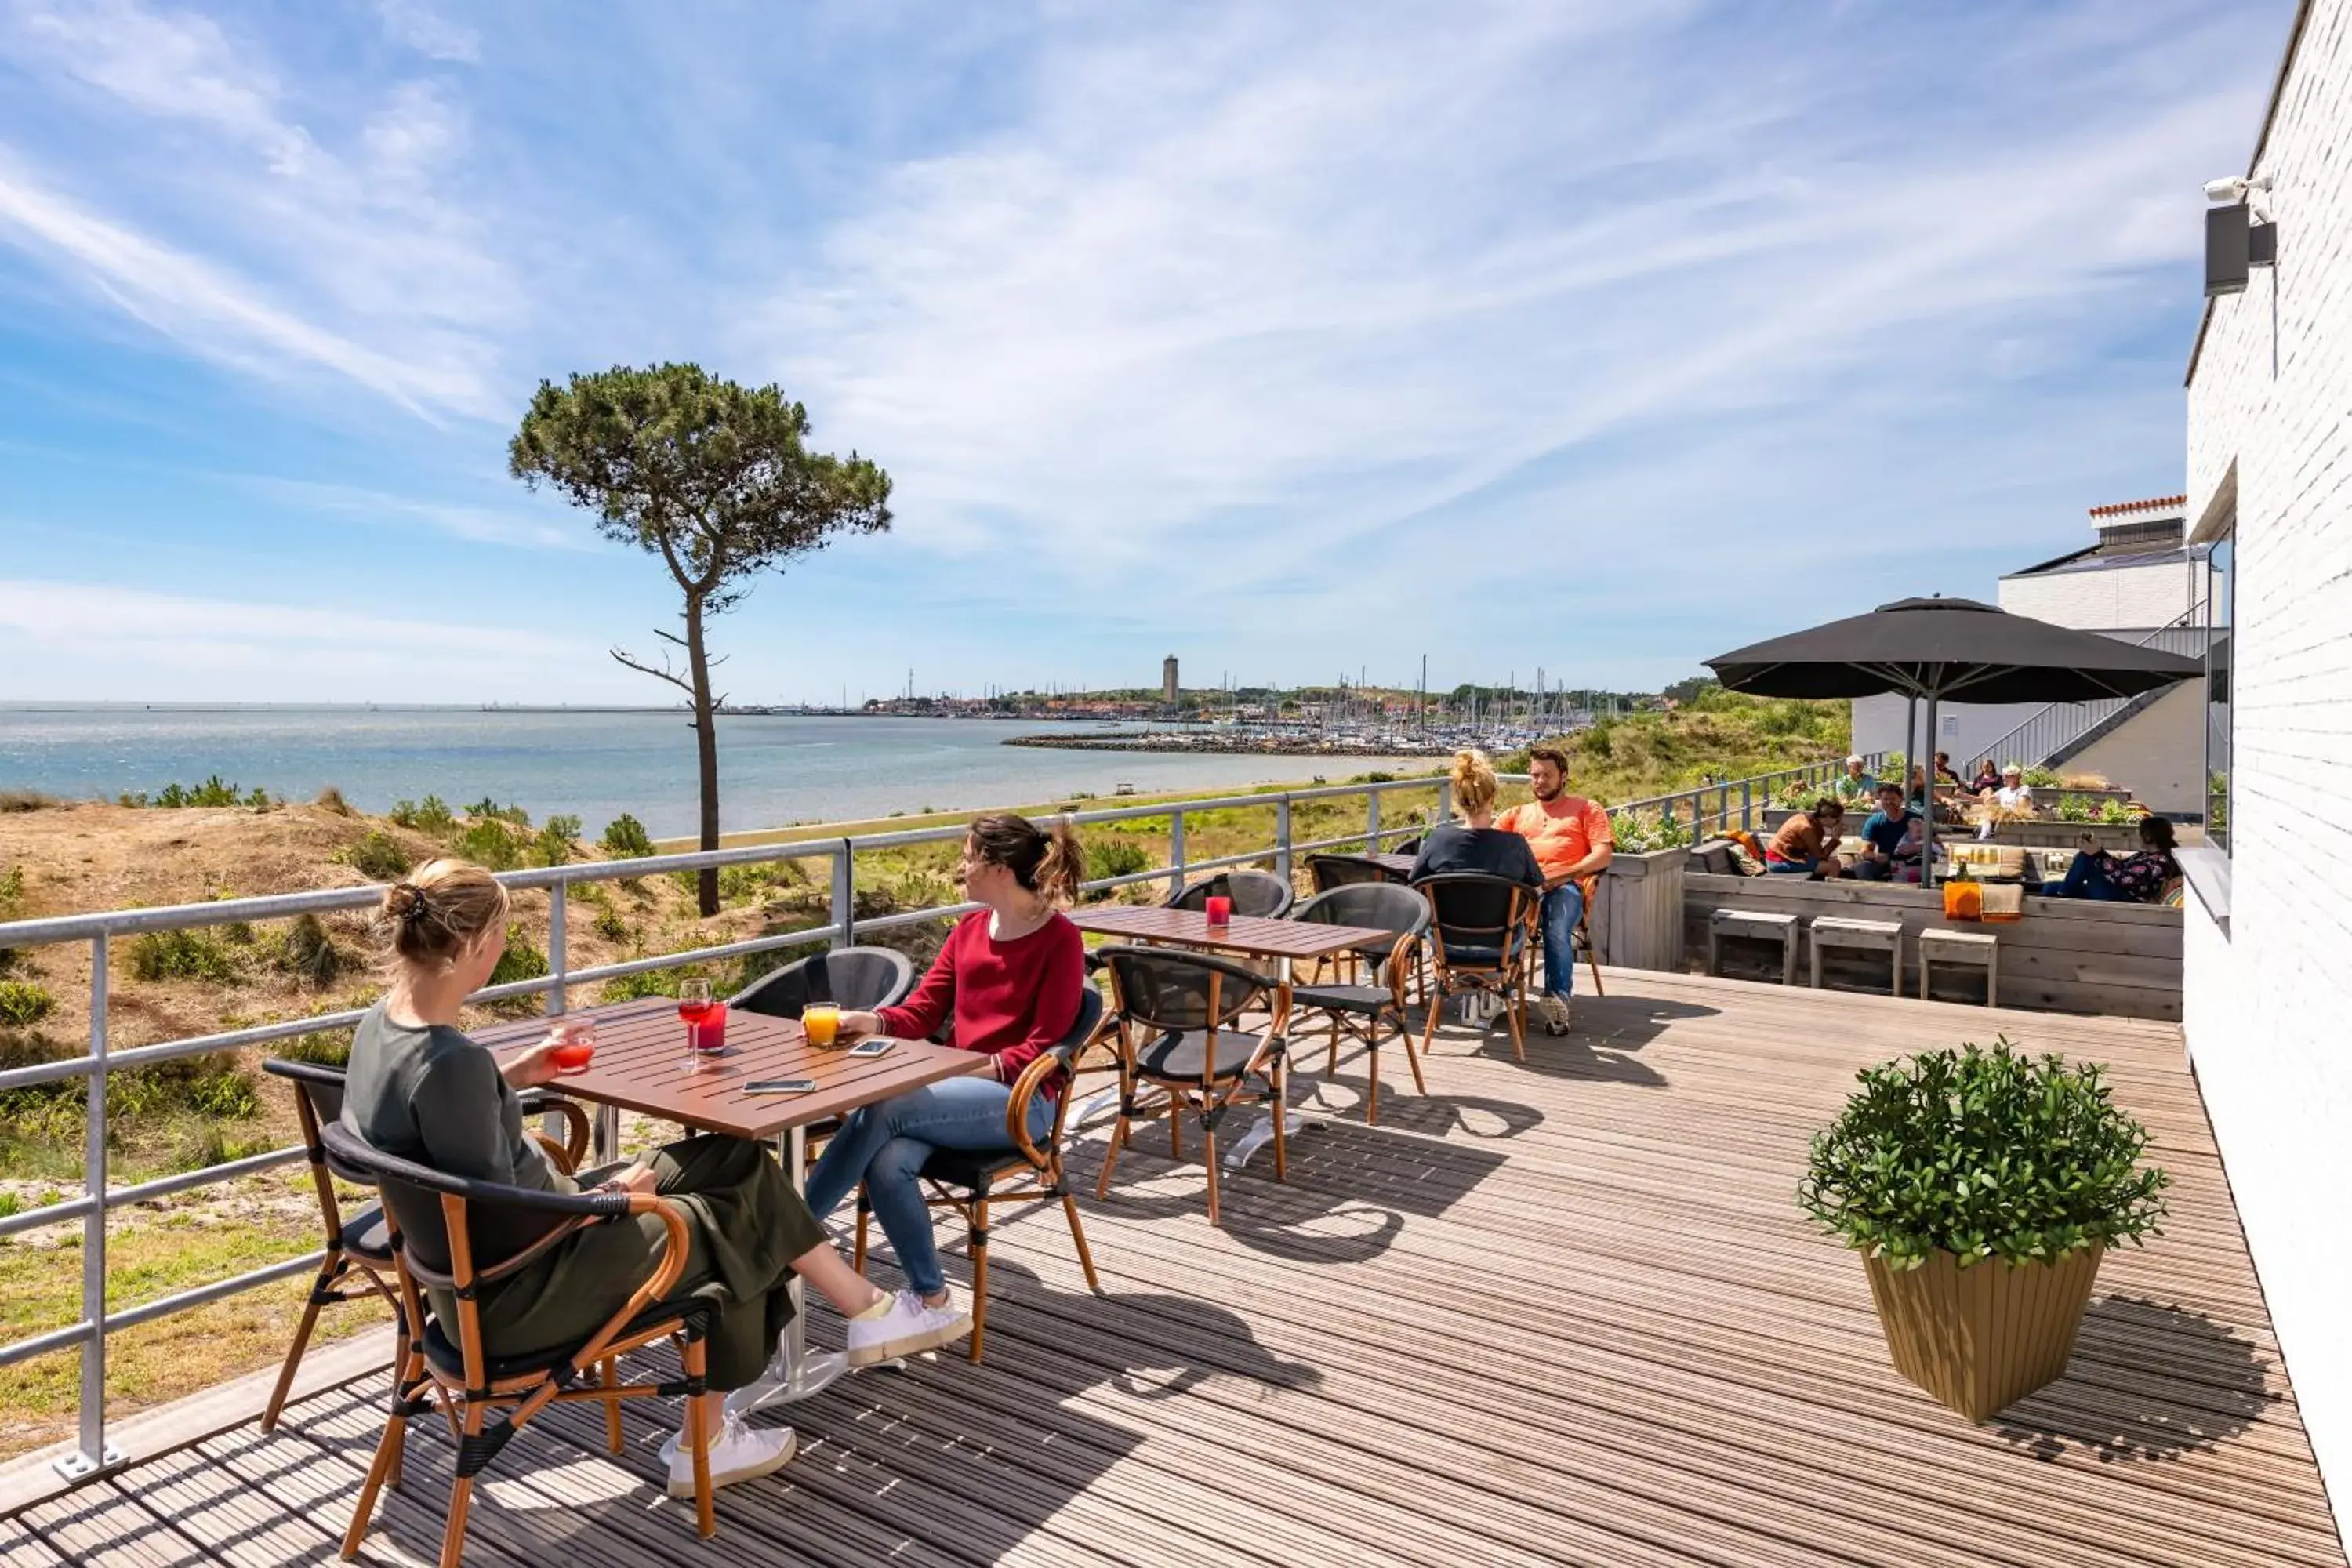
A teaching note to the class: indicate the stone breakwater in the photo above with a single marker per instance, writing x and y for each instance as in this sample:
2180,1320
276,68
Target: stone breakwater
1246,745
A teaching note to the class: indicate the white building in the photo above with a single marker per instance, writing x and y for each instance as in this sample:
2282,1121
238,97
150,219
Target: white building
2140,580
2268,926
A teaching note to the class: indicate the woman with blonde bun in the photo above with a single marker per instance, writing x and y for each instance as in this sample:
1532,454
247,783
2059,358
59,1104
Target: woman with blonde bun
1475,844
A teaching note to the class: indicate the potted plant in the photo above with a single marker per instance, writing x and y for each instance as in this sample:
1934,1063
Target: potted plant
1981,1188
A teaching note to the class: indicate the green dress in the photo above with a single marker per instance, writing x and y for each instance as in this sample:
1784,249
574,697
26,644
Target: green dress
434,1096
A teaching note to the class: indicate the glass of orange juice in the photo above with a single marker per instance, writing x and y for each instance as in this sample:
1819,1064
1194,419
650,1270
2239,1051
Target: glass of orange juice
821,1021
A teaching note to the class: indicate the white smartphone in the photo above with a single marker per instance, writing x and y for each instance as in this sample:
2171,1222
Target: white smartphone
873,1046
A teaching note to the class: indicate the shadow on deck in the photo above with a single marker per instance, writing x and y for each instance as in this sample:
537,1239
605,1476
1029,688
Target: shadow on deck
1558,1313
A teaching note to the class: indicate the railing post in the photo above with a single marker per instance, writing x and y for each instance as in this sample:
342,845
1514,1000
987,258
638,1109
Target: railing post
1371,819
556,966
94,1455
1747,808
1175,852
1282,838
842,910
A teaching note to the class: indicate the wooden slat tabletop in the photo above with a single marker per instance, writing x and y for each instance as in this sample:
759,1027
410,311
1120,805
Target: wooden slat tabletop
1252,934
1399,864
641,1065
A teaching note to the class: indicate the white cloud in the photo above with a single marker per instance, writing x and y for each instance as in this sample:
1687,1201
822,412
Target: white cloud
224,221
71,619
1262,291
481,524
418,25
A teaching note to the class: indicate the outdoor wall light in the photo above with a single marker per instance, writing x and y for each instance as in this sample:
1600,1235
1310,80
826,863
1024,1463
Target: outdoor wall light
2234,242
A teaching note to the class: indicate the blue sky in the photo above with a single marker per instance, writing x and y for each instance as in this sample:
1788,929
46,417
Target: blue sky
1289,338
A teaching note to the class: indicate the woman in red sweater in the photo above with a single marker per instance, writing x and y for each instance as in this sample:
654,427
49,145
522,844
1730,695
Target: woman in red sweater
1010,975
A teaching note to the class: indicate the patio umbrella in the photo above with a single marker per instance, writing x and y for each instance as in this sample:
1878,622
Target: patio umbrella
1940,650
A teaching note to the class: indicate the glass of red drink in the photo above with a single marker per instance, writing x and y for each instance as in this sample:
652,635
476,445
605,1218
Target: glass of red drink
575,1044
696,1010
1220,910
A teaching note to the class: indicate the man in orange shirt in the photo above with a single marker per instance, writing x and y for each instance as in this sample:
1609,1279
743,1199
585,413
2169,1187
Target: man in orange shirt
1574,843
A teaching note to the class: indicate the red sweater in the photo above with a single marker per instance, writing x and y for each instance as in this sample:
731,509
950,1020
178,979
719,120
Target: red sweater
1014,1000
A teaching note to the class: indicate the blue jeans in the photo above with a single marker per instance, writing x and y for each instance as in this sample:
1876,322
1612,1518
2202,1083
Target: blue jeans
885,1145
2087,878
1563,908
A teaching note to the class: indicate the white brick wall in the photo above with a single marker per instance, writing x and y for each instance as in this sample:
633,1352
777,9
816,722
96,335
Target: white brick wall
2268,1000
2107,600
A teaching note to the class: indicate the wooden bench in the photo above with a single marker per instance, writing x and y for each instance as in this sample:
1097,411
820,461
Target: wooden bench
1980,947
1782,929
1873,936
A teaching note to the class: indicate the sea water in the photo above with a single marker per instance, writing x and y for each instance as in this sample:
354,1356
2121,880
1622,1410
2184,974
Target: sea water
773,769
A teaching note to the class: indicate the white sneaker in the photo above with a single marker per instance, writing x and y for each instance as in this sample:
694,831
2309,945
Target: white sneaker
1555,1013
909,1327
742,1453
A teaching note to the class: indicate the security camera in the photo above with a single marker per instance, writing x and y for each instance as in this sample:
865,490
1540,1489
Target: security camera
2235,188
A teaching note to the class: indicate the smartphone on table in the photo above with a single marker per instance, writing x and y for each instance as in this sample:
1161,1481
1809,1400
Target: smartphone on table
780,1085
873,1046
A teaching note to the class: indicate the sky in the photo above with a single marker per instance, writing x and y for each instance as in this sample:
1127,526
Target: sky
1292,340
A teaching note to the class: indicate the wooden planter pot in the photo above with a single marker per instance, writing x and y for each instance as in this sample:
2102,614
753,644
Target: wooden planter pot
1982,1338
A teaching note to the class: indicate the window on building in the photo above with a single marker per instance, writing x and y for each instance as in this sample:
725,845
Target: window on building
2221,577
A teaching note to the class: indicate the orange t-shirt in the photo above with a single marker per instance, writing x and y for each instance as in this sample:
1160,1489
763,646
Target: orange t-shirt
1560,833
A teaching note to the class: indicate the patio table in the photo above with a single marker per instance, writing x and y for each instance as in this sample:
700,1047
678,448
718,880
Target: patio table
641,1065
1253,936
1388,860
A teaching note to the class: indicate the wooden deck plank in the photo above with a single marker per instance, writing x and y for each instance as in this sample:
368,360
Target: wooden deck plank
97,1525
1562,1311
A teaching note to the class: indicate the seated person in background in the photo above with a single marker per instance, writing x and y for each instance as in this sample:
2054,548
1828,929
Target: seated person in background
1944,773
1856,782
1889,840
420,1090
2013,798
1806,843
1985,777
1916,794
1574,843
2135,878
1475,843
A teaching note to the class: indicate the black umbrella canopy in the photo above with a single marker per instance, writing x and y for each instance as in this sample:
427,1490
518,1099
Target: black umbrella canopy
1957,650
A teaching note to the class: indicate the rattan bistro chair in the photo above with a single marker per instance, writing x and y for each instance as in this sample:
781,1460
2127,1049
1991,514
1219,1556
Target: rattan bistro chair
1258,893
1482,935
965,1180
359,1261
855,979
454,1235
1368,1008
1176,1035
1329,871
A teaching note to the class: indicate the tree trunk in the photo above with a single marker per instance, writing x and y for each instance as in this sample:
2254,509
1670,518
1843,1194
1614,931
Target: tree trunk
706,746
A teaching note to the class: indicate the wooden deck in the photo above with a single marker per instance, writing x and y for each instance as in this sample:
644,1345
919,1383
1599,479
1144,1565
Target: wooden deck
1564,1312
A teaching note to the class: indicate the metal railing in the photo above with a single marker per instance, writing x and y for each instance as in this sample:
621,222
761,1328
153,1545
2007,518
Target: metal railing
1717,805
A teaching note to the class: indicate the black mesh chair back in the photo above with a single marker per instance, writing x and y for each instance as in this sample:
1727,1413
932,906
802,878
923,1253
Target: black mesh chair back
1329,871
1382,905
1180,1055
1410,847
1258,893
1476,916
856,979
1160,988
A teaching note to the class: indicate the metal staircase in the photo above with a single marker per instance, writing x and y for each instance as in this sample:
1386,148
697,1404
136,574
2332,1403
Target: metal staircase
2062,730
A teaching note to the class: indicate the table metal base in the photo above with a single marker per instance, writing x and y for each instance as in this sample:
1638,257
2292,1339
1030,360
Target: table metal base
787,1384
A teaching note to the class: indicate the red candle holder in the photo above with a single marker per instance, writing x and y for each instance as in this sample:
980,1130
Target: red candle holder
1220,910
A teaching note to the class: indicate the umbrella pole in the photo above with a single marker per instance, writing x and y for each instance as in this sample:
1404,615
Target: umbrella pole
1927,804
1910,740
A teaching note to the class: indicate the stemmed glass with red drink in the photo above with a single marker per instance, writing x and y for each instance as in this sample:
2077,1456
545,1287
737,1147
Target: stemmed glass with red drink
705,1020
